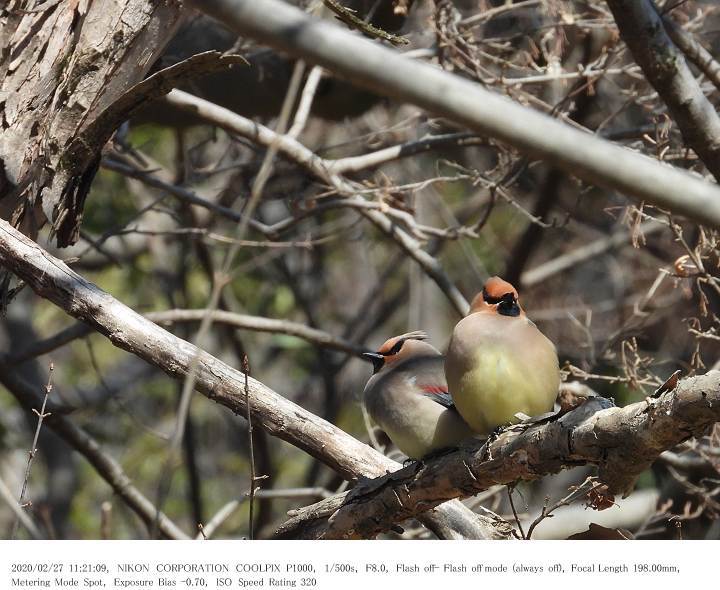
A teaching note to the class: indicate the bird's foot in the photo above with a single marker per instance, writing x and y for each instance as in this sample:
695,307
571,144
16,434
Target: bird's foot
437,453
492,437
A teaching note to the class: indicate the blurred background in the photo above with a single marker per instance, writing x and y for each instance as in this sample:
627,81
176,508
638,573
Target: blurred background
628,294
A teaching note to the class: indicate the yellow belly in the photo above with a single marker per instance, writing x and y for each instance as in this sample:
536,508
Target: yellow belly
500,386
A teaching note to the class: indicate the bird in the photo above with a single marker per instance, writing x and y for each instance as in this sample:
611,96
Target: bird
407,397
498,363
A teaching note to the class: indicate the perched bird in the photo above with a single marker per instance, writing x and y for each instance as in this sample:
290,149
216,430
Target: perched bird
498,363
407,397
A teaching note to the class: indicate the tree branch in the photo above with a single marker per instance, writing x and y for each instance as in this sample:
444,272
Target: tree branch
172,316
41,347
322,169
622,442
385,71
664,66
589,251
693,50
260,324
54,280
109,469
11,501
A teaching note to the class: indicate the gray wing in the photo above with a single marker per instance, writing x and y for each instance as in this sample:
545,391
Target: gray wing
430,380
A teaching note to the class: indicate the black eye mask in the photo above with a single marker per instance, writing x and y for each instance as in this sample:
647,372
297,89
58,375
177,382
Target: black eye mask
487,298
395,349
506,305
378,358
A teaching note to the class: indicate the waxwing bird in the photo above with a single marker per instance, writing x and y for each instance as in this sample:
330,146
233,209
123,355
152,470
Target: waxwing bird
498,363
408,398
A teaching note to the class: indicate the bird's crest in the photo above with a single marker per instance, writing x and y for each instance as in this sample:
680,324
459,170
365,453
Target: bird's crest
496,289
496,295
393,345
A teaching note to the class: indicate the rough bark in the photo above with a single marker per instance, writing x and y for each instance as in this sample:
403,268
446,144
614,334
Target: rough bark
54,280
622,442
62,65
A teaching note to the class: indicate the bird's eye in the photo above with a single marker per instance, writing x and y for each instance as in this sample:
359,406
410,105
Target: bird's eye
490,299
507,298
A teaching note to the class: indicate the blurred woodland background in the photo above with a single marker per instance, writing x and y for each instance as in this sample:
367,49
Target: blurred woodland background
629,293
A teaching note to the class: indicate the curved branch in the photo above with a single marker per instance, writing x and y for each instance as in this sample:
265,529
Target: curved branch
171,316
622,442
403,150
260,324
54,280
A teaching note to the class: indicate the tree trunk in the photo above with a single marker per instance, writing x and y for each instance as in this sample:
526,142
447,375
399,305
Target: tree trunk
61,65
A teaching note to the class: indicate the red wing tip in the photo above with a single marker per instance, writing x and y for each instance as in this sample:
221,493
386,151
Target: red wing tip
436,389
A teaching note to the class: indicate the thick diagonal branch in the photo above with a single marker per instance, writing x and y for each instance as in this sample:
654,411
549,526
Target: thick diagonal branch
693,50
54,280
385,71
622,442
664,66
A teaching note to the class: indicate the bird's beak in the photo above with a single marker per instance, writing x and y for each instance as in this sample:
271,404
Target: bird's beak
377,360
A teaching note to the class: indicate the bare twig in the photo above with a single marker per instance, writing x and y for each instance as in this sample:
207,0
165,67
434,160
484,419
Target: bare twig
241,321
33,449
584,253
260,324
291,148
641,27
514,511
54,342
486,15
208,530
348,17
293,493
88,447
306,100
251,451
403,150
106,513
7,496
219,283
547,511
